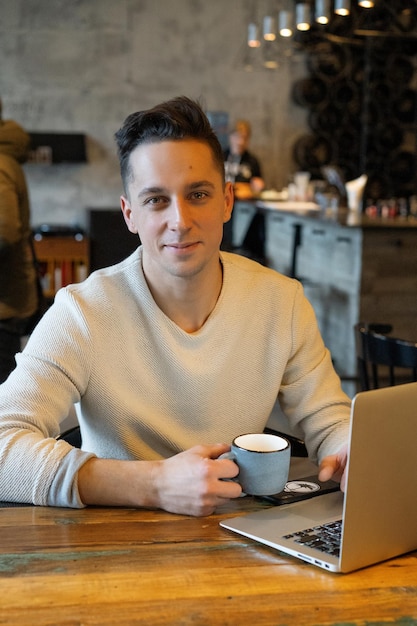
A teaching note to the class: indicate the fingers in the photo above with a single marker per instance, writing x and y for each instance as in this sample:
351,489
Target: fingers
228,490
328,468
343,482
334,467
214,451
226,468
222,468
325,473
191,481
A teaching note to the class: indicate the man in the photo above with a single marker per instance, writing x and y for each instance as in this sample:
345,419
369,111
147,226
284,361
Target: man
18,288
170,352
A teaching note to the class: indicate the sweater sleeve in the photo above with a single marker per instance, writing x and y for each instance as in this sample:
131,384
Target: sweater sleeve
35,467
311,394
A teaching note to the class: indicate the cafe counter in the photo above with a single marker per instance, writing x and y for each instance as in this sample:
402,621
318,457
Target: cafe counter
353,268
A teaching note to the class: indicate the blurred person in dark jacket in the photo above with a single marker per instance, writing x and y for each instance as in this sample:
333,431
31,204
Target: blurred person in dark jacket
243,170
18,286
241,166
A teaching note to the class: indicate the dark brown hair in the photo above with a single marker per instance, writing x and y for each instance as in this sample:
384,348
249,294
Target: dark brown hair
174,120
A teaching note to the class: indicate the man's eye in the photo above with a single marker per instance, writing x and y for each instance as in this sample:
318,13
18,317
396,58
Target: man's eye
153,201
199,195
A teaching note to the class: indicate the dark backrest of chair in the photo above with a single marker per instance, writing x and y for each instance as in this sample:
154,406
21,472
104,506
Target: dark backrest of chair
383,360
72,436
298,447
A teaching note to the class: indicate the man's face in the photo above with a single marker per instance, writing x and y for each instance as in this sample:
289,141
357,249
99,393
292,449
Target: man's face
177,204
239,141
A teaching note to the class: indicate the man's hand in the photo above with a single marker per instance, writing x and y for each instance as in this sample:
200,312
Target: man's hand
334,466
191,482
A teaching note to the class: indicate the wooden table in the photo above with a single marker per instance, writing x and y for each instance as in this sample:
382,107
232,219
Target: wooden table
124,566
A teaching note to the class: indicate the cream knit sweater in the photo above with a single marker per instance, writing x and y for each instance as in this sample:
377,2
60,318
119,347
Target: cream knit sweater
148,390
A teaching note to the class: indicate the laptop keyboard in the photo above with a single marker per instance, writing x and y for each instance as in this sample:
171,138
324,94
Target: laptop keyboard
325,538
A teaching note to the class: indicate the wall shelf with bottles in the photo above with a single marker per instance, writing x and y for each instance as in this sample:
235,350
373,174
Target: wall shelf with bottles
62,260
51,148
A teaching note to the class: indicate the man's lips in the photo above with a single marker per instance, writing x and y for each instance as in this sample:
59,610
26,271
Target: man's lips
181,246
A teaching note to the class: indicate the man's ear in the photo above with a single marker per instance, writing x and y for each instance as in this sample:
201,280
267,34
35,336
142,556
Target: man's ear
228,201
127,214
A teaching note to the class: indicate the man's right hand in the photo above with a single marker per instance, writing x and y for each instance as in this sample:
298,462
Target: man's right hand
189,483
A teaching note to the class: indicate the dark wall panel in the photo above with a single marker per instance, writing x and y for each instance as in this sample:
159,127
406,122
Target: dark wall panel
110,240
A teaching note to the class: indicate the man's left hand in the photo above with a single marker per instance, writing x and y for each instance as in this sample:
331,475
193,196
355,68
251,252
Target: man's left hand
334,467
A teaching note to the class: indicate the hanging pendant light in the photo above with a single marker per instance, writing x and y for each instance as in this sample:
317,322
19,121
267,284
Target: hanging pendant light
299,14
303,16
253,39
269,28
342,7
322,11
286,23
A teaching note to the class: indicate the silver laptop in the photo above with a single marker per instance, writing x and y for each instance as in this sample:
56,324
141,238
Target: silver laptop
376,518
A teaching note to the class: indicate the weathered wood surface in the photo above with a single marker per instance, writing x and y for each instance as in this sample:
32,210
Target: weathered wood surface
122,566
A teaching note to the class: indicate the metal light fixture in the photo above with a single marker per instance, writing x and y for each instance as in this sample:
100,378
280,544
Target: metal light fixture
253,39
269,28
299,14
303,16
286,23
342,7
322,11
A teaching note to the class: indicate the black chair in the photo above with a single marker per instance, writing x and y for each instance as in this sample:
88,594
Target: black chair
298,447
72,436
383,360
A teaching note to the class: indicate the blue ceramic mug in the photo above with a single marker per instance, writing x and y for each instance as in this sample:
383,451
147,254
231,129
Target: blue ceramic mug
263,460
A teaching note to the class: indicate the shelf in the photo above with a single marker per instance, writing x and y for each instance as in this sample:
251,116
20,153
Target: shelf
62,260
50,148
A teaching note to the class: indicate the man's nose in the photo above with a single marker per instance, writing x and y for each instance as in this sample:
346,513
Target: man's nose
180,215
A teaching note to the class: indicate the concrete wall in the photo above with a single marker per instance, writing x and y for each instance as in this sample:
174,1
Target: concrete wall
84,65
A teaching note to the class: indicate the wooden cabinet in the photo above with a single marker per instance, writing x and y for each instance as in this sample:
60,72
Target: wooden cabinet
280,229
63,260
243,213
389,279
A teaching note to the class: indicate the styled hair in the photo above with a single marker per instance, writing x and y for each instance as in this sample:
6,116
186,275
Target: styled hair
242,126
175,120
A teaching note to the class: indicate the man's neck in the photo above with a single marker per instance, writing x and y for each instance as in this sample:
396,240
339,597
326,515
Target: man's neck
188,302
